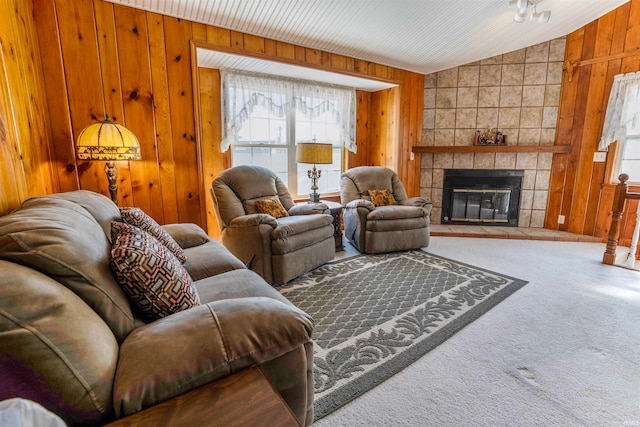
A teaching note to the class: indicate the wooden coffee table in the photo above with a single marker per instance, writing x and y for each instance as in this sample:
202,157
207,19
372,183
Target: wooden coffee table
246,398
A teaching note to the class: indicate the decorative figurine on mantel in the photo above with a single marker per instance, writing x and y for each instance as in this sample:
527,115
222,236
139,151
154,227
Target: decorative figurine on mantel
490,137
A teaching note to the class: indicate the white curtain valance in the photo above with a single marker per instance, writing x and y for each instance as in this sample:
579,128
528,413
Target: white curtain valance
241,92
623,110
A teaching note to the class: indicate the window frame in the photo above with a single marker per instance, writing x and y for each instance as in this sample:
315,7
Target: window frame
620,148
292,181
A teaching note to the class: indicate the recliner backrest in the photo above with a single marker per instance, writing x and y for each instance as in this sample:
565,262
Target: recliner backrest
356,183
56,350
60,236
236,190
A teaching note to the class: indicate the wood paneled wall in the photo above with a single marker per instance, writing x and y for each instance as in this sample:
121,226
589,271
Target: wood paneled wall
579,187
25,136
68,63
138,67
134,66
388,121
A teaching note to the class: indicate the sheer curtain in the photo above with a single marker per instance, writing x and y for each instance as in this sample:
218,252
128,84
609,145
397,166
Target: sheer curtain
312,101
623,110
241,92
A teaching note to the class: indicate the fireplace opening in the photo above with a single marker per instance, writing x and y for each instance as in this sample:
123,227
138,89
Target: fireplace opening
488,197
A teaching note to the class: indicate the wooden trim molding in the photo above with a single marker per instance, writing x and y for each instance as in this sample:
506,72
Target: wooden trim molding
572,66
493,149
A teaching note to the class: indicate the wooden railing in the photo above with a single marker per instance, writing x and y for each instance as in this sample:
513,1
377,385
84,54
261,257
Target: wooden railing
621,196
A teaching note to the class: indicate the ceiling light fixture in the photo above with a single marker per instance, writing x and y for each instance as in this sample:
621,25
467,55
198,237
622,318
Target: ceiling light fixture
527,10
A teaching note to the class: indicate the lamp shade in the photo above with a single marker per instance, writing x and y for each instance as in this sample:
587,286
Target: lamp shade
314,153
109,141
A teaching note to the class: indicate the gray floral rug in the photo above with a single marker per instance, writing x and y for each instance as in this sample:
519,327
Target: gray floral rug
376,314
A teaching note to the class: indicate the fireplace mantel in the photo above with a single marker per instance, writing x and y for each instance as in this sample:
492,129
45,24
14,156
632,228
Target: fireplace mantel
492,149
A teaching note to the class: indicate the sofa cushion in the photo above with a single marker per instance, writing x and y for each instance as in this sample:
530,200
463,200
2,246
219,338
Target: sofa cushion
381,197
210,259
137,218
271,207
55,349
150,274
63,240
236,284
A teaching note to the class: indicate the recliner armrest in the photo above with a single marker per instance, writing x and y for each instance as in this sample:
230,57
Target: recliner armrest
360,203
191,348
309,209
253,220
416,201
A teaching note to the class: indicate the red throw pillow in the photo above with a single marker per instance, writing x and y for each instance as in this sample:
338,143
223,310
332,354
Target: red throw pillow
151,276
271,207
381,197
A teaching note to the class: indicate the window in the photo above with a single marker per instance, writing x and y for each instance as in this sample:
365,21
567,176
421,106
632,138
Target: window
629,158
622,124
265,117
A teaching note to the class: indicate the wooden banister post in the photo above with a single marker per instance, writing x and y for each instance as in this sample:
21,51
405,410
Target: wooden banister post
619,198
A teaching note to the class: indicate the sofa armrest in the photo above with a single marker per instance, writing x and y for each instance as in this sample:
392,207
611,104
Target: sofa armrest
187,235
253,220
309,209
194,347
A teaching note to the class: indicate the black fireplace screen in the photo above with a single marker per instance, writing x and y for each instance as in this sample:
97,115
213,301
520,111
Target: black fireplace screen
474,205
490,197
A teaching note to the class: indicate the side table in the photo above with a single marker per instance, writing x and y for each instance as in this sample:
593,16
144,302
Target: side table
336,212
246,398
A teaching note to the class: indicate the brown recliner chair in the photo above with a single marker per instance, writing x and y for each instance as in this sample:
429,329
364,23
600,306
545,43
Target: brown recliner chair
402,225
278,249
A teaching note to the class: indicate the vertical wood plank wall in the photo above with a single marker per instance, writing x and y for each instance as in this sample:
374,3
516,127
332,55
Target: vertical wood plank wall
99,58
25,135
67,63
579,187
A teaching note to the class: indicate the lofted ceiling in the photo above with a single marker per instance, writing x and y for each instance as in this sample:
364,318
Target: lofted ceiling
423,36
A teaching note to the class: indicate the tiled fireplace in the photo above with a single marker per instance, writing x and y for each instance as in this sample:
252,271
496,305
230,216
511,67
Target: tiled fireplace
479,196
517,93
536,172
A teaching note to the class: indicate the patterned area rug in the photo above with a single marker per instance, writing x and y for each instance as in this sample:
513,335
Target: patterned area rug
376,314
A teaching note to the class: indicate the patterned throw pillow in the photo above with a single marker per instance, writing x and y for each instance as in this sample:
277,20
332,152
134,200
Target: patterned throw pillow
149,273
137,218
272,207
381,198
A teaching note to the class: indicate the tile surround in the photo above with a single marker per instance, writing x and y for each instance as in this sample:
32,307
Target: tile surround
518,93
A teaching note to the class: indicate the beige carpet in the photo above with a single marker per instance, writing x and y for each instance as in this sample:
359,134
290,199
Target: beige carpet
562,351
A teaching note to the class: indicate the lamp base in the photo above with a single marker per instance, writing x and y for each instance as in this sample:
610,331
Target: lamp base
112,176
314,198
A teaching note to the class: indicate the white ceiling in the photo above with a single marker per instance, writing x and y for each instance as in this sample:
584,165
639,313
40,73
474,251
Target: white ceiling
417,35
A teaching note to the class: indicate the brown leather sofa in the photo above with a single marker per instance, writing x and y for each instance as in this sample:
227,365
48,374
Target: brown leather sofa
278,249
402,225
71,341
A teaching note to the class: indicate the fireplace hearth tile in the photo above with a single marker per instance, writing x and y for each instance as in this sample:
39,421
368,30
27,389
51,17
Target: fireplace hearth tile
472,231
